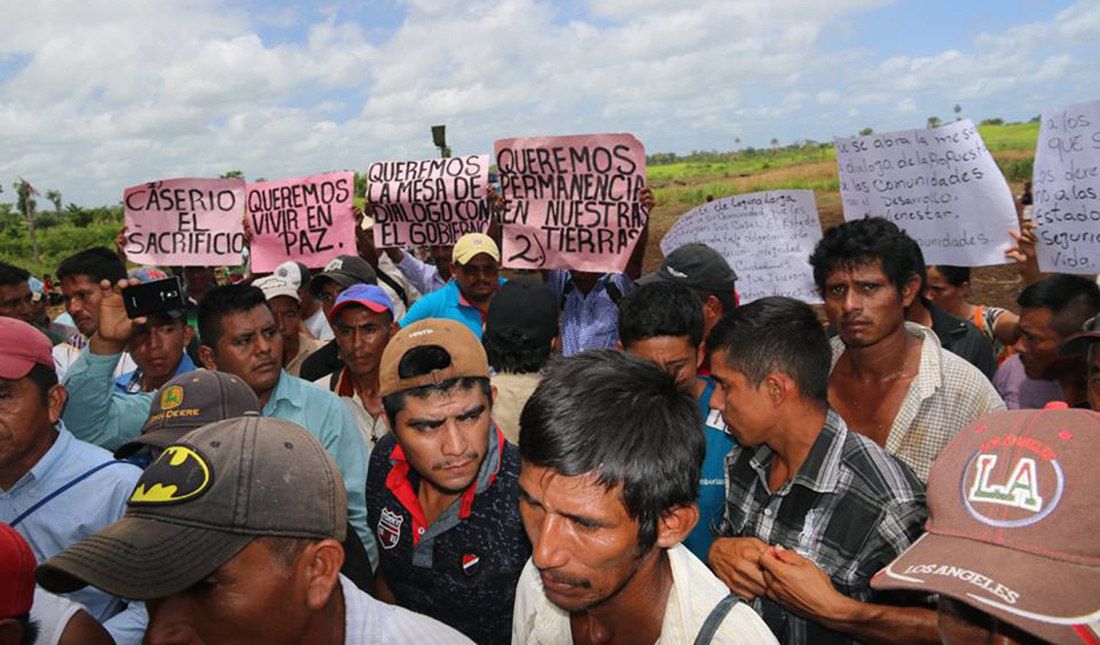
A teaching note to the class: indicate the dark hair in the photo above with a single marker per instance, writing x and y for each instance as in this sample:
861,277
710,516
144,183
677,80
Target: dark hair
98,263
660,309
30,629
623,419
725,298
511,350
43,377
12,275
1071,298
861,242
955,276
424,360
776,334
285,550
222,300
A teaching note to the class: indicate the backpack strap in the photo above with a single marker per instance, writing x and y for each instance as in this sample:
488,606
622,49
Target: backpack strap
73,482
715,618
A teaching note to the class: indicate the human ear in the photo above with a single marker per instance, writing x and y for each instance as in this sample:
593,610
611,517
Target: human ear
909,291
206,357
675,524
322,561
56,397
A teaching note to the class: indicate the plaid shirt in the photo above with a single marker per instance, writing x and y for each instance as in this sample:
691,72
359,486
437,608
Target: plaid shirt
946,395
851,508
588,321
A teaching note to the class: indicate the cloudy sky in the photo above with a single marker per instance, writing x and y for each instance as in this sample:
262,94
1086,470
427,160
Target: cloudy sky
96,95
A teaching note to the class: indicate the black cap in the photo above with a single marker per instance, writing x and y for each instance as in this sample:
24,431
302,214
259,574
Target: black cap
526,307
345,270
697,266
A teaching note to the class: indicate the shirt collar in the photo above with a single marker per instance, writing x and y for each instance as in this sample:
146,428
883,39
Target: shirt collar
130,382
287,389
41,470
820,472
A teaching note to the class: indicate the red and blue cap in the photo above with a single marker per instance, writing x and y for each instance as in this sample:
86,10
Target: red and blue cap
370,296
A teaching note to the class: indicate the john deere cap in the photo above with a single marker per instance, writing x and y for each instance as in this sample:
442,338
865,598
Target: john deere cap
190,401
472,244
1013,524
202,501
467,354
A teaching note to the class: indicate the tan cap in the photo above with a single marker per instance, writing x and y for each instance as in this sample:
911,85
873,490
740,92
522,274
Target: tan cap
472,244
467,355
1013,524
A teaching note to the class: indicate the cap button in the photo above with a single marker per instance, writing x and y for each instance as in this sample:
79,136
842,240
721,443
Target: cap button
1056,405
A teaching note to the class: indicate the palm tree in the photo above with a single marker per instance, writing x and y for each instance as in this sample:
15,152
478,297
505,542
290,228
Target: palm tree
54,196
26,205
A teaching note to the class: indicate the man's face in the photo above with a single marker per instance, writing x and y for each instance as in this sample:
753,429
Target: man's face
442,256
943,293
82,296
198,279
747,410
361,335
15,301
252,598
1094,377
249,347
288,317
674,354
328,292
477,279
157,347
863,306
961,624
25,423
445,436
1038,344
583,541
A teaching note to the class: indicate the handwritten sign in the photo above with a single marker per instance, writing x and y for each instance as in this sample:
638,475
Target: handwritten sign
185,222
766,238
430,202
306,219
571,202
1066,190
941,186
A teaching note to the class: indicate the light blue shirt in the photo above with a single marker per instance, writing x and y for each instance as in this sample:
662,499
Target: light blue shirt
447,302
425,277
75,514
588,321
97,412
322,414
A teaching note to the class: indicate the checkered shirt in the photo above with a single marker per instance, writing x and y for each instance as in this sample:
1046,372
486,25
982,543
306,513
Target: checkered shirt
946,395
851,509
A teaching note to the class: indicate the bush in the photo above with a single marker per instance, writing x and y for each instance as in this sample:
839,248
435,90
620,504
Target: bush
1017,169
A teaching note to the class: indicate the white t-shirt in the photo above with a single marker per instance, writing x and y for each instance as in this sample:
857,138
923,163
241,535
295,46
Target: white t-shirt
64,355
372,621
52,613
318,325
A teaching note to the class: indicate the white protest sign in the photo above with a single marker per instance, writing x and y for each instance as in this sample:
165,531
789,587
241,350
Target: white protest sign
940,185
429,202
1066,190
766,237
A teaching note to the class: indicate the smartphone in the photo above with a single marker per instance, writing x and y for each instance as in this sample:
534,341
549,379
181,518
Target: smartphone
154,297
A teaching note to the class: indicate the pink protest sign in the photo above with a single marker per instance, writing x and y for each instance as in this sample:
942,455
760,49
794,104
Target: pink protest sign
305,219
429,202
185,222
571,202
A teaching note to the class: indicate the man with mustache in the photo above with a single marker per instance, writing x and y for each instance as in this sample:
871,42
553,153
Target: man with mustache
442,495
466,299
891,380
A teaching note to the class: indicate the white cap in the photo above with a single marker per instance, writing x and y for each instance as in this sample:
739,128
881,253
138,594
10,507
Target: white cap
290,271
274,286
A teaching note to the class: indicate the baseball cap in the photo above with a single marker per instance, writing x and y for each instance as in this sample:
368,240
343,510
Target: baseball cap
1013,524
274,286
16,574
697,266
467,354
190,401
296,272
472,244
345,270
526,307
1079,343
203,500
22,346
370,296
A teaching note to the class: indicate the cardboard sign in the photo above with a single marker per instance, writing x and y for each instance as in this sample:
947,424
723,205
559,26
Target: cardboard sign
430,202
306,219
571,202
941,186
185,222
766,238
1065,190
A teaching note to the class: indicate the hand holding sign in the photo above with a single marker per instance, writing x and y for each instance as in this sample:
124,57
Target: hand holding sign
571,202
185,222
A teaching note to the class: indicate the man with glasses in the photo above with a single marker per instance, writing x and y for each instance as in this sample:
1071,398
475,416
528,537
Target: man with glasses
466,298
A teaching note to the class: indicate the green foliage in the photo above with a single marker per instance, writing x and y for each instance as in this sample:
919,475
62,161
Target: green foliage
1017,169
995,121
1011,136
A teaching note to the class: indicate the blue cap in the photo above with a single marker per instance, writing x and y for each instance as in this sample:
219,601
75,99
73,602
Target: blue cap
370,296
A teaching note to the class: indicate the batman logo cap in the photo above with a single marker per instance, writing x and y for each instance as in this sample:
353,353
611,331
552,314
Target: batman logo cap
203,500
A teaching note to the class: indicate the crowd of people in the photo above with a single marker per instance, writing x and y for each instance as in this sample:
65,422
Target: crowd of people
407,446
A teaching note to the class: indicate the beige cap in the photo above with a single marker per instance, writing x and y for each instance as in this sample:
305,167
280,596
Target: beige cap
467,355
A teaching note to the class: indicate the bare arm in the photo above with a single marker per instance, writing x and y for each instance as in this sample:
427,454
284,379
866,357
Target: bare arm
82,629
886,623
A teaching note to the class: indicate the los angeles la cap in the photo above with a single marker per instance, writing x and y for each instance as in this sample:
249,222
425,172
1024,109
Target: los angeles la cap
472,244
274,286
16,574
697,266
345,270
370,296
467,355
22,346
190,401
526,307
202,501
1013,524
